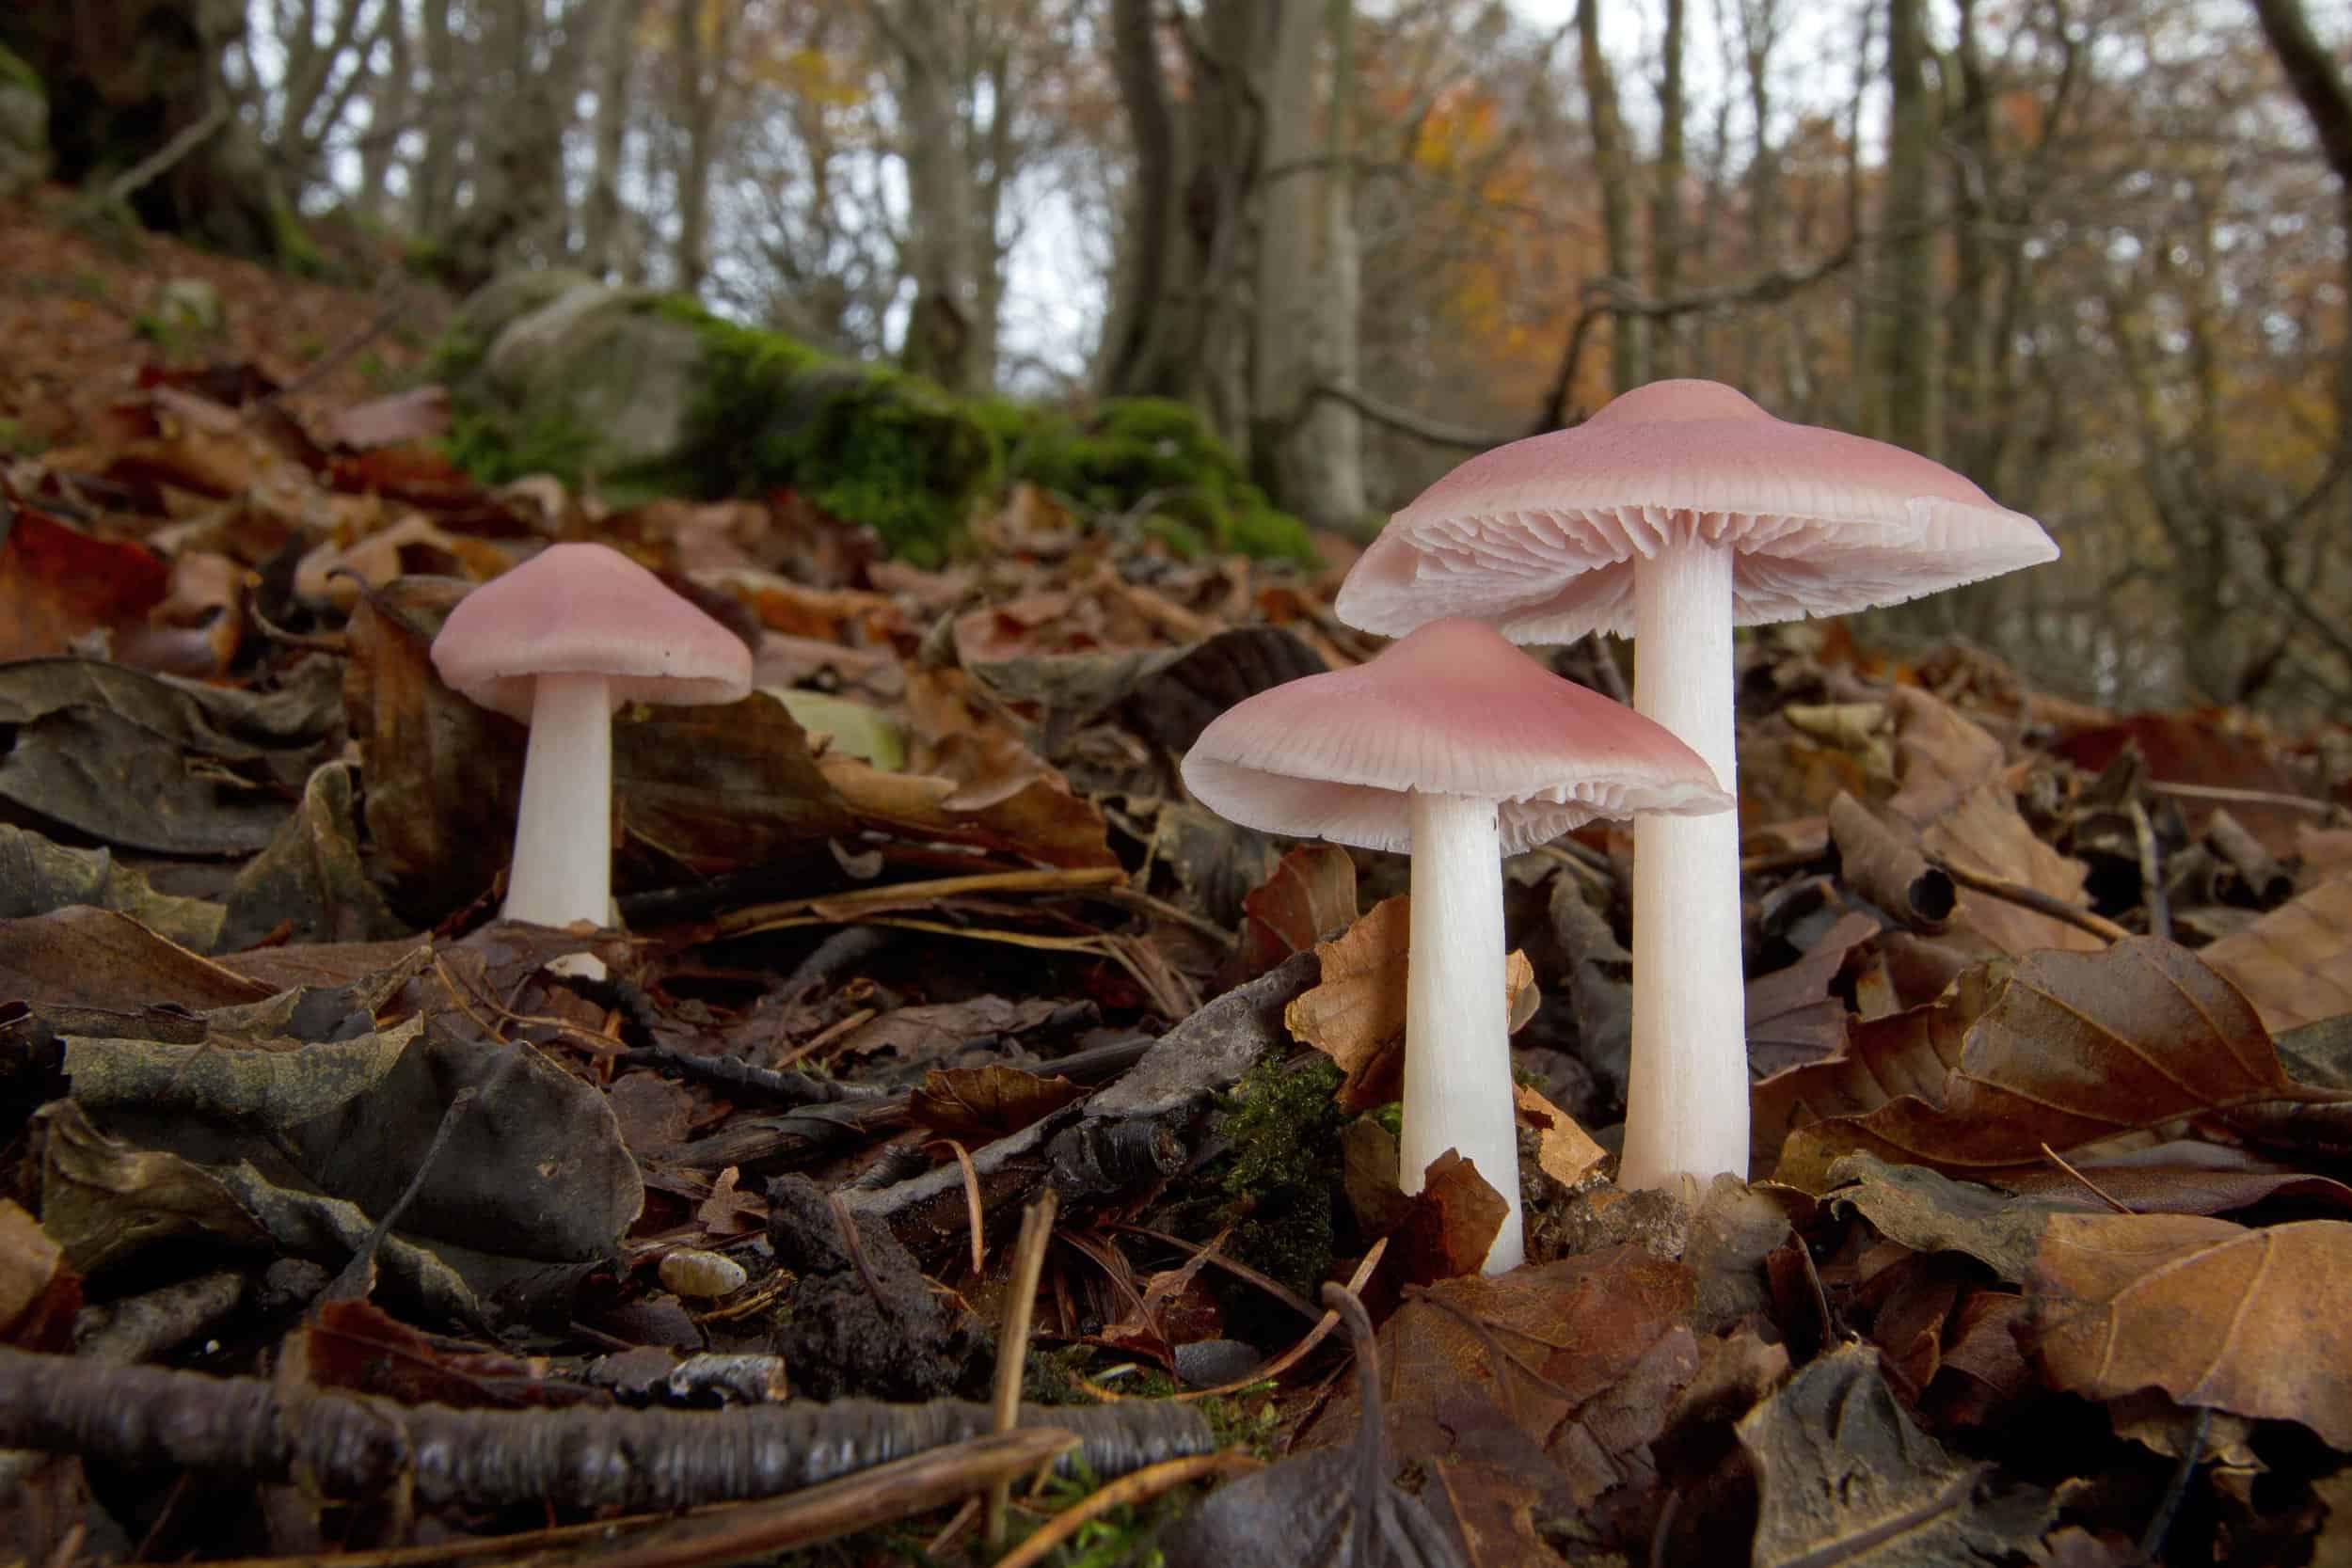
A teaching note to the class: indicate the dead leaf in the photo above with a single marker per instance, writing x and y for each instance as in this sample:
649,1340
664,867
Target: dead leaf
1452,1222
1311,894
1843,1475
2074,1046
981,1104
57,583
98,958
2250,1322
39,1295
419,414
1794,1014
1356,1015
37,876
2293,964
1939,756
1564,1150
1984,832
1928,1213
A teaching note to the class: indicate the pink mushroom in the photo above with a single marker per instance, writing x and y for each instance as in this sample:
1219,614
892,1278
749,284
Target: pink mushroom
560,642
1677,512
1455,746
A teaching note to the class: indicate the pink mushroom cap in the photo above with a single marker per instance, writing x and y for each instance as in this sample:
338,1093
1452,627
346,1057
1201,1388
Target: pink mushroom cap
1541,538
587,610
1451,709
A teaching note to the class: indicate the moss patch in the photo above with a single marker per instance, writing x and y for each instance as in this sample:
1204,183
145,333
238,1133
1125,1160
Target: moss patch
14,73
1151,455
1284,1124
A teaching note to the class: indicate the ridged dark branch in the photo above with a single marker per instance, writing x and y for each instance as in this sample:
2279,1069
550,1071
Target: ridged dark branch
356,1445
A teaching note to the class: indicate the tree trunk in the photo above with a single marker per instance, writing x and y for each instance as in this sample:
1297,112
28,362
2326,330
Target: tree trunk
2320,86
1337,430
1283,357
1612,168
125,77
940,339
1179,330
435,202
1904,288
600,212
1665,208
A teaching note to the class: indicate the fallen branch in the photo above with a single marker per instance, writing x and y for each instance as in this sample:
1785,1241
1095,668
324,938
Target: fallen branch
358,1445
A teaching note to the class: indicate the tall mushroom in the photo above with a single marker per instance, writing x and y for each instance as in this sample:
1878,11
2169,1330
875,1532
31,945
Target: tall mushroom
1677,510
1455,747
560,642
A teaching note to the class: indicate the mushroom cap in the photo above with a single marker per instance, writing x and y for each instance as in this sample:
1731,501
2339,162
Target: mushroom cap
587,610
1451,709
1541,536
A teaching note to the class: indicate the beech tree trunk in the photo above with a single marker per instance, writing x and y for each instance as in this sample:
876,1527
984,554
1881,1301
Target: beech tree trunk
1904,289
1629,362
2320,86
1665,204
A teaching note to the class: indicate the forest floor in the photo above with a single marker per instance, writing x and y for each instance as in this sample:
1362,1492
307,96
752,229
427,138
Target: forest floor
335,1227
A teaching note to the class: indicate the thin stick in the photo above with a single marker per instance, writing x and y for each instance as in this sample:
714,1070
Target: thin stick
2242,797
1298,1351
1012,1341
825,1036
2097,1190
973,1211
840,907
1141,1487
2031,898
2151,872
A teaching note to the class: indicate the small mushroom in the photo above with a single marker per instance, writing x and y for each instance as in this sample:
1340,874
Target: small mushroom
560,642
1456,748
1677,512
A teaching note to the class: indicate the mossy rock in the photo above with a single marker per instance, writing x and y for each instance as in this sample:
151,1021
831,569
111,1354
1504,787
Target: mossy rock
1153,456
23,126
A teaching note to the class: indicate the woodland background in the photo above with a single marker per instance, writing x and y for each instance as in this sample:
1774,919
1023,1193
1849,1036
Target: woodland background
2092,253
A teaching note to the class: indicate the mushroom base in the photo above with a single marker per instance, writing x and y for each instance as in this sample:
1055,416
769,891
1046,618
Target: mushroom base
1457,1025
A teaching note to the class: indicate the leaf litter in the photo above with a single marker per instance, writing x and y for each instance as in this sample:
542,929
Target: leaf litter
319,1174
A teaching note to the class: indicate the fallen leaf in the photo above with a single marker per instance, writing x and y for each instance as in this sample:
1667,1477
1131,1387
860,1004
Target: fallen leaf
1311,894
1984,832
39,1295
2074,1046
1356,1015
2250,1322
1451,1223
1794,1015
1929,1213
2293,964
57,583
1564,1150
98,958
981,1104
37,876
1843,1476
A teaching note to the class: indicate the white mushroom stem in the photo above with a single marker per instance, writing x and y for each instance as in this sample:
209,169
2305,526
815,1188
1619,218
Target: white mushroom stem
1457,1025
563,869
1685,1103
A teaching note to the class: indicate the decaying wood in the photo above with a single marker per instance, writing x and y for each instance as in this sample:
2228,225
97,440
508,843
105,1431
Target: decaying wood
358,1445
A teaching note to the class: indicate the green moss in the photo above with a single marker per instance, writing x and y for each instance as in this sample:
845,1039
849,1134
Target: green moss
14,73
1155,457
868,444
17,441
1283,1122
497,450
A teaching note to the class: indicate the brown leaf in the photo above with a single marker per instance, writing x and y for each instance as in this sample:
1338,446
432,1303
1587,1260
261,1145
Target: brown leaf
39,1295
97,958
57,583
1843,1476
1794,1016
1356,1015
981,1104
1910,1053
1939,756
357,1345
2194,1181
421,413
1310,892
1564,1150
1885,866
1536,1343
2293,964
1040,819
1984,833
1452,1222
2250,1322
2074,1046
